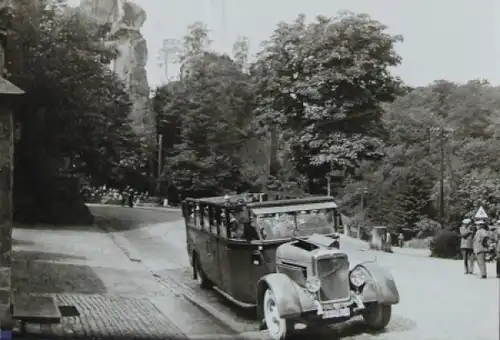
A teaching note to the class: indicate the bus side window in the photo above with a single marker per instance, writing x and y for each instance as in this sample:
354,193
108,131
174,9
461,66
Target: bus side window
211,222
338,220
202,217
225,227
184,210
197,219
217,220
236,225
188,211
223,224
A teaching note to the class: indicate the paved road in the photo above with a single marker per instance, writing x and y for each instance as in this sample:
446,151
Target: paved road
438,302
115,296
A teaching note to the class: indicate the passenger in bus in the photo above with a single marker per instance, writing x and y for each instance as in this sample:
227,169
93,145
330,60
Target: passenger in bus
302,217
197,215
239,217
206,219
223,228
237,230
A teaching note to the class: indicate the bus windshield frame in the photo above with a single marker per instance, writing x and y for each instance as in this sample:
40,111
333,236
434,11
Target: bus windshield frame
282,222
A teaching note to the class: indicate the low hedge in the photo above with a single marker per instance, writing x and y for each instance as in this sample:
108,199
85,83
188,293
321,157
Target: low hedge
446,245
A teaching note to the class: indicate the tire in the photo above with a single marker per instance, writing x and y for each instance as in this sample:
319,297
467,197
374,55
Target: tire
200,276
377,315
279,328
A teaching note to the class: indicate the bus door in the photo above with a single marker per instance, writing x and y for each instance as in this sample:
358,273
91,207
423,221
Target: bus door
223,219
239,278
207,245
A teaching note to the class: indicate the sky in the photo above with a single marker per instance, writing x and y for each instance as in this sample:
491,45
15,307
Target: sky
457,40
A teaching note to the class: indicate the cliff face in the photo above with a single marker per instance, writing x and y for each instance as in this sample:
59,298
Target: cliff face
126,19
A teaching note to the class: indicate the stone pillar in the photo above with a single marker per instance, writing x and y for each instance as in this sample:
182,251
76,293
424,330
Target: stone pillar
6,185
6,177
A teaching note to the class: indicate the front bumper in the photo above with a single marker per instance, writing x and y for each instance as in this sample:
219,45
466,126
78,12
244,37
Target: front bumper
333,312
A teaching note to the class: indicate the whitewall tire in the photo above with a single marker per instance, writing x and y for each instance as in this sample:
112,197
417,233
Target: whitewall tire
278,327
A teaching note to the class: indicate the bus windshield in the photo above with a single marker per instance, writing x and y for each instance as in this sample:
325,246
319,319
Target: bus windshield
296,223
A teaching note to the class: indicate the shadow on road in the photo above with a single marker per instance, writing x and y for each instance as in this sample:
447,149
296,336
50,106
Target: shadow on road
80,337
29,255
109,224
353,328
57,227
22,243
121,224
32,273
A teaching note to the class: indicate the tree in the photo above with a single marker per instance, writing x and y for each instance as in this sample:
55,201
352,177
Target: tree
405,187
324,84
196,41
208,114
240,52
75,106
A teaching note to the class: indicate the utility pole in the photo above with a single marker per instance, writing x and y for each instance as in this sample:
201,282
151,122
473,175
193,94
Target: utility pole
160,161
441,178
443,135
328,185
169,54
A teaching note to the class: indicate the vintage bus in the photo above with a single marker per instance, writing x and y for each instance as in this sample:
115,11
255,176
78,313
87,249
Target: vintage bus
254,251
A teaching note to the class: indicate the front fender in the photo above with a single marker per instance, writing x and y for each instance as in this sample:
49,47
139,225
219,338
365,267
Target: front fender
380,286
292,300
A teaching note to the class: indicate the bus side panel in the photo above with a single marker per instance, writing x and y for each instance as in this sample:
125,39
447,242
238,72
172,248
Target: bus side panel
267,266
241,273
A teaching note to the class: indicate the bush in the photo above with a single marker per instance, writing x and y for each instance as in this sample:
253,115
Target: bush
419,243
427,227
446,245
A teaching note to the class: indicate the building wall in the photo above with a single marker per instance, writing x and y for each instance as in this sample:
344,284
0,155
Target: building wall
6,185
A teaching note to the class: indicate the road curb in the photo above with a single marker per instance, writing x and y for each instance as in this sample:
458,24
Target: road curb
121,242
206,307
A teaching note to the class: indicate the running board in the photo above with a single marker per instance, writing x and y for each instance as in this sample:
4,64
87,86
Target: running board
233,300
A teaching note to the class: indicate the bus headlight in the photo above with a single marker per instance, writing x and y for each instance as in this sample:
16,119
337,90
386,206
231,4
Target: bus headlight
313,284
358,277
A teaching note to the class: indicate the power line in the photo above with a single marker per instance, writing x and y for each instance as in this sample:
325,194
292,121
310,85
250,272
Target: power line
223,22
169,54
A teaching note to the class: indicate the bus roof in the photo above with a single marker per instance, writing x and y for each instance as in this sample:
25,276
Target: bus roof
294,201
290,204
219,199
295,207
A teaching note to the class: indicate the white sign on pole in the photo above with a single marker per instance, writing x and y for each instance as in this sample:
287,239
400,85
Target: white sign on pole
481,213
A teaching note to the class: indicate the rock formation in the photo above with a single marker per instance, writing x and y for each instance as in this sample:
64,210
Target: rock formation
126,19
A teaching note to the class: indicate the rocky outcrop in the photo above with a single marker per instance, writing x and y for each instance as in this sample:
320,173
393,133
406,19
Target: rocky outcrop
126,19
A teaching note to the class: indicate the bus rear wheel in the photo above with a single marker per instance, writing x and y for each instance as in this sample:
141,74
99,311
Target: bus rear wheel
200,276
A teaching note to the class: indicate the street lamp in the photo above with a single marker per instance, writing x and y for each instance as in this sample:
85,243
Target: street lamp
444,133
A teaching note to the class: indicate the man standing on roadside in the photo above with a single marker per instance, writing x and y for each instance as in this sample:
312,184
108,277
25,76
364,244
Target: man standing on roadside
480,245
467,236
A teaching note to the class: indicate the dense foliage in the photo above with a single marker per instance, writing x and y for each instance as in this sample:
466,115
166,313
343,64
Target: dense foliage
319,89
404,189
324,84
75,107
319,101
206,118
